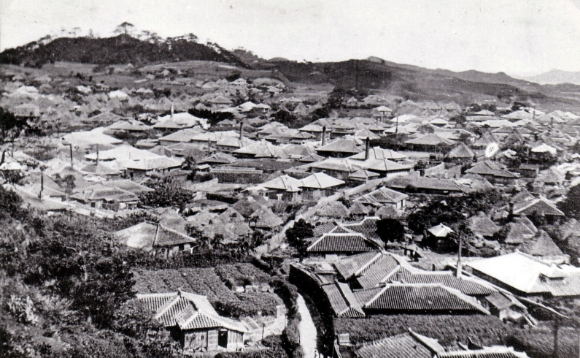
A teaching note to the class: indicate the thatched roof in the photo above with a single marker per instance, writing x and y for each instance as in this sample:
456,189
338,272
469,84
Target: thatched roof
333,210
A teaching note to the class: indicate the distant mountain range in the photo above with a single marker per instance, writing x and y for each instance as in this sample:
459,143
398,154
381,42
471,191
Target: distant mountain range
374,73
554,77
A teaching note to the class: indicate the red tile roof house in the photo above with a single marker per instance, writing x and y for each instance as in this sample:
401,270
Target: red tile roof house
200,328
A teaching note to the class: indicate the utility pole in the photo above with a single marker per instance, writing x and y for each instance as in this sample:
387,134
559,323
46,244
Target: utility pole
458,273
71,156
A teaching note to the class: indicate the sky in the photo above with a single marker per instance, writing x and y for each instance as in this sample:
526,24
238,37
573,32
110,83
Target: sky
514,36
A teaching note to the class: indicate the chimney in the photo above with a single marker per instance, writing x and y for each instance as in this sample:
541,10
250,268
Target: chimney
323,135
367,144
241,130
172,110
97,155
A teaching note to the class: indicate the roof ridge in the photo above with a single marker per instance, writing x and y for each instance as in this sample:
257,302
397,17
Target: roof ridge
167,306
465,298
366,265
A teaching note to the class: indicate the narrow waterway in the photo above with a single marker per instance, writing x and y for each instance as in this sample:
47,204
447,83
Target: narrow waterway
307,330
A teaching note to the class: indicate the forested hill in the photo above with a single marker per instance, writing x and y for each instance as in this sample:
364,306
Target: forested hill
121,49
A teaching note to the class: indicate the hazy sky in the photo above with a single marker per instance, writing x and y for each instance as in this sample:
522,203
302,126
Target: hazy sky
514,36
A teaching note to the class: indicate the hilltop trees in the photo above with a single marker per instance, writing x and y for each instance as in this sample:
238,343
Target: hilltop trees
124,28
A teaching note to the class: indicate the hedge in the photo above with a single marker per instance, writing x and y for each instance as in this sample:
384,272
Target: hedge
291,334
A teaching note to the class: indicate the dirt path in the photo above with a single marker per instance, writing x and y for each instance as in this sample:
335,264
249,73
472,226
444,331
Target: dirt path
307,330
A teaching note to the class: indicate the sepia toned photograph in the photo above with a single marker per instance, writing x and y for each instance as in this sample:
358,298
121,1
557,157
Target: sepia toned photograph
290,179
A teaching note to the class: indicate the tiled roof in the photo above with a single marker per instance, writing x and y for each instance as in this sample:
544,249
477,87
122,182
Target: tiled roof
367,227
486,352
323,229
342,301
399,346
465,285
320,181
350,265
283,182
378,271
342,243
381,196
422,298
187,311
490,168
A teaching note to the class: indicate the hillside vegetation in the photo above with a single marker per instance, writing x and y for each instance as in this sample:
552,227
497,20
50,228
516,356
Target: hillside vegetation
122,49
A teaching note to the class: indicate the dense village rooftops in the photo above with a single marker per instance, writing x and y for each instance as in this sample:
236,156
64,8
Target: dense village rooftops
93,137
430,139
122,152
183,135
132,126
422,183
384,165
336,164
158,163
380,153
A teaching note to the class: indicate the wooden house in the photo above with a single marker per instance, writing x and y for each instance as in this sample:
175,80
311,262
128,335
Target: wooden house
199,327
